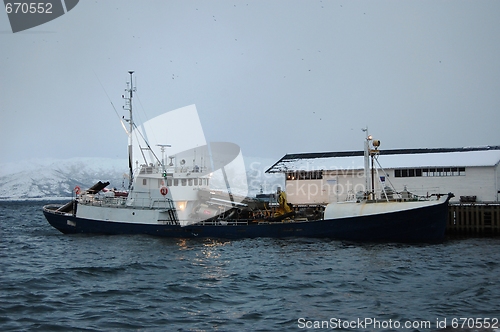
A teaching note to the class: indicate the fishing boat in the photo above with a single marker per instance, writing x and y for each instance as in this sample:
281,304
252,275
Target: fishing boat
199,191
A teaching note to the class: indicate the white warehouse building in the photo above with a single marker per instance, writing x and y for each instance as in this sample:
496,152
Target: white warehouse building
472,174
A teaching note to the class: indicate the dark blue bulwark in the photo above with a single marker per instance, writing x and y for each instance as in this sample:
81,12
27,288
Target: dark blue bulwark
425,224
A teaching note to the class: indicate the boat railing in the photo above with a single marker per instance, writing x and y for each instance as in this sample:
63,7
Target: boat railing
161,204
241,222
53,209
222,222
122,202
388,193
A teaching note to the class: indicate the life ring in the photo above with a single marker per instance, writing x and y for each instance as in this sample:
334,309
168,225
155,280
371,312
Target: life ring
164,190
77,190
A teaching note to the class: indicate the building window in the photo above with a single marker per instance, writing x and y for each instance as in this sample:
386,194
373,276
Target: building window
426,172
304,175
318,175
144,182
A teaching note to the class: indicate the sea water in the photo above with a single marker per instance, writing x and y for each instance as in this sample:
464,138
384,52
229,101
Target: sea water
55,282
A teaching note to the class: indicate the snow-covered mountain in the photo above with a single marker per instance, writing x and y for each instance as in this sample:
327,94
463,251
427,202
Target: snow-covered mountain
50,178
54,178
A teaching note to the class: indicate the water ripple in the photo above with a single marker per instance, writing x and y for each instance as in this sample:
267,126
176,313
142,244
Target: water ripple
55,282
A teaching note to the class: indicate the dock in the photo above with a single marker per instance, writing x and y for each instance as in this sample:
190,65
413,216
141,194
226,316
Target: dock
474,219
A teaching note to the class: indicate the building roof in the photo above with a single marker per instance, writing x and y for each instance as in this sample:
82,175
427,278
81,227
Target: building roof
390,159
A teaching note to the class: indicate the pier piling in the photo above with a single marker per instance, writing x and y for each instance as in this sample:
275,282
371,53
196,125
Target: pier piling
481,219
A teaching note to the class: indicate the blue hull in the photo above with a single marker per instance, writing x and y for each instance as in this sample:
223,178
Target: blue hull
426,224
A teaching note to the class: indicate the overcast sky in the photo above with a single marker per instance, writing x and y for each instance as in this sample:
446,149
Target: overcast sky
274,77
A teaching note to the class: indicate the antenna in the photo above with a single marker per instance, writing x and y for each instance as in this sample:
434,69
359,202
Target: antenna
163,146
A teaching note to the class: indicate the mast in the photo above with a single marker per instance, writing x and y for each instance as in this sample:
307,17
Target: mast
371,150
128,106
367,161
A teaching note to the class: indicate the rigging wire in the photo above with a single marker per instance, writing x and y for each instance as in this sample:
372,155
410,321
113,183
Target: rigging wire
386,175
144,111
144,136
145,141
114,108
133,124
